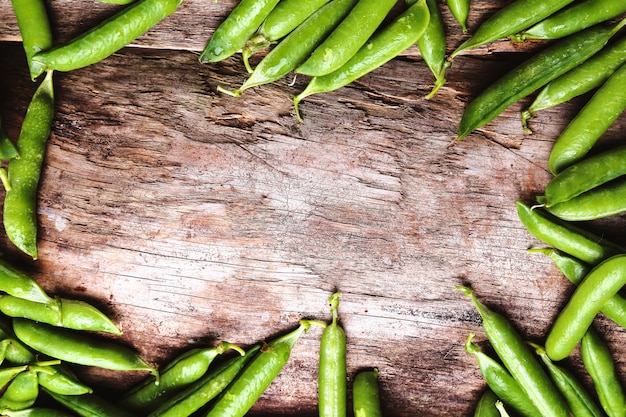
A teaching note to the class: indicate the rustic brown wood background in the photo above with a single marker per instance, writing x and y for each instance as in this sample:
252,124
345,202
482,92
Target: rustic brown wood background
193,217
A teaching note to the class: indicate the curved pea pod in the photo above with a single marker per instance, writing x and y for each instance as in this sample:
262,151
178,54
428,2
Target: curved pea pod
432,46
17,283
108,37
22,391
573,240
198,394
32,19
579,80
383,46
35,412
534,73
332,368
348,38
237,399
501,382
233,33
599,363
598,287
517,357
577,17
579,400
20,202
366,394
178,374
79,348
62,312
61,380
88,405
460,11
486,406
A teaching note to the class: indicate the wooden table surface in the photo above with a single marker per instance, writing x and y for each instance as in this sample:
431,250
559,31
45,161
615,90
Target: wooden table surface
192,217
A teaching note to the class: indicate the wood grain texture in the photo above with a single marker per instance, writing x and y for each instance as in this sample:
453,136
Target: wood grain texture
193,217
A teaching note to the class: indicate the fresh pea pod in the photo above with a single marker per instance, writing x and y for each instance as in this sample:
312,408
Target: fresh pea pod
585,175
7,374
198,394
579,80
17,352
514,17
32,19
108,37
254,379
182,371
35,412
348,38
599,363
534,73
62,312
20,203
577,17
501,382
598,287
432,46
460,11
88,405
233,33
22,391
386,44
332,369
486,406
17,283
517,357
75,347
581,403
366,395
565,236
61,380
7,148
292,50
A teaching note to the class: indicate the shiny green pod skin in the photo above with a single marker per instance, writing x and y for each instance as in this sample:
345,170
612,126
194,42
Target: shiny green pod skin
22,391
599,364
88,405
62,312
599,202
32,19
501,382
61,380
332,368
512,18
432,46
233,33
577,17
108,37
366,394
579,80
347,38
586,174
385,45
486,406
581,403
179,373
17,352
460,11
520,361
286,16
77,347
599,286
237,399
20,203
532,74
198,394
19,284
566,237
7,374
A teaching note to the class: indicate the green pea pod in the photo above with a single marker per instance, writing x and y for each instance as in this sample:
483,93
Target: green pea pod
62,312
332,369
178,374
108,37
534,73
62,381
198,394
16,282
79,348
366,395
432,46
233,33
254,379
595,118
577,17
88,405
501,382
509,20
573,240
32,19
386,44
348,38
4,345
598,287
292,50
599,363
7,148
8,374
517,357
579,80
460,11
35,412
22,391
486,406
17,352
20,212
585,175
